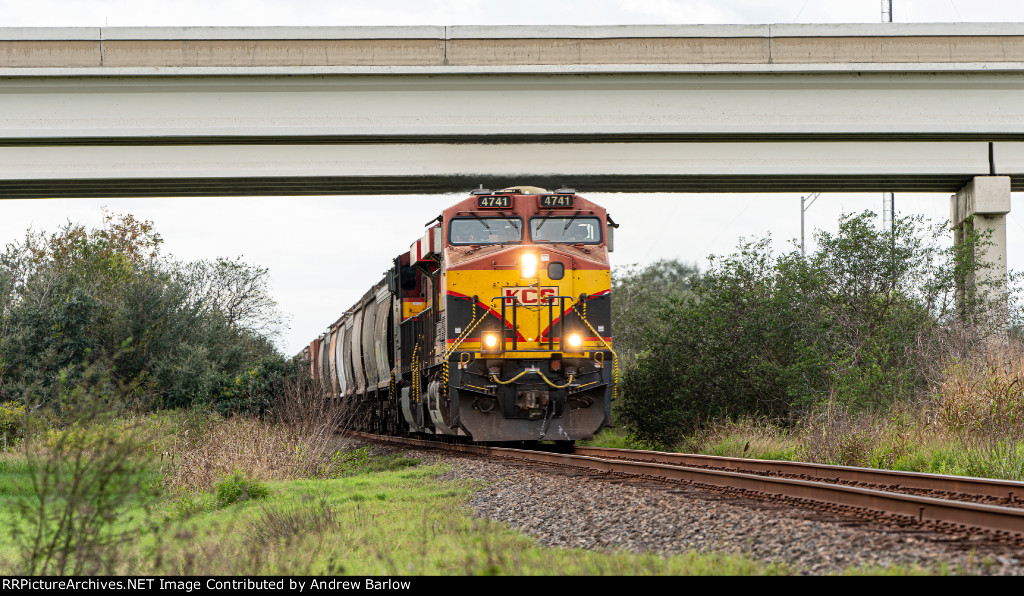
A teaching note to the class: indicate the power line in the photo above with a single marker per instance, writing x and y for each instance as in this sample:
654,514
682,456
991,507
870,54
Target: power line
958,15
804,206
800,12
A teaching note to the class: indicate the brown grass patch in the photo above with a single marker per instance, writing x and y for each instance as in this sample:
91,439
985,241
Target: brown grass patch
833,435
747,437
298,440
984,395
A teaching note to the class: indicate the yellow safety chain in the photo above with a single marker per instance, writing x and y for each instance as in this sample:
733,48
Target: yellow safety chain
615,357
472,325
416,373
473,322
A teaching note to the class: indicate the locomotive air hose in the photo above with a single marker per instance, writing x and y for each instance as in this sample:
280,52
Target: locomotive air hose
494,377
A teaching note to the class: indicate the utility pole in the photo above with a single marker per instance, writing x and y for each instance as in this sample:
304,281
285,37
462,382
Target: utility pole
804,206
888,198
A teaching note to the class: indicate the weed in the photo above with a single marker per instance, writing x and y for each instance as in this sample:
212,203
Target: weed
237,488
82,484
282,446
12,423
985,395
747,437
357,461
289,523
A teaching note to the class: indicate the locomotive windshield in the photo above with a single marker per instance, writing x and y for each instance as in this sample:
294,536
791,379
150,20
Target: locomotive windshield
568,229
485,230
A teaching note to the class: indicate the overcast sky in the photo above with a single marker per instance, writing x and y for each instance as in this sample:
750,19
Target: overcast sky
324,252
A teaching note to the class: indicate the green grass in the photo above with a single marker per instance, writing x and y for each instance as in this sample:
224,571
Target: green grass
20,507
15,487
358,461
400,522
236,488
737,444
741,446
1001,459
14,473
617,438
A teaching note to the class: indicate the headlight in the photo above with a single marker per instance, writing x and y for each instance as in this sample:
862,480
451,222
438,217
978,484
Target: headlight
490,340
529,265
575,340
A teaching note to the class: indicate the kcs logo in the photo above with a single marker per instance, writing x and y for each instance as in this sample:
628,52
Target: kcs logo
530,295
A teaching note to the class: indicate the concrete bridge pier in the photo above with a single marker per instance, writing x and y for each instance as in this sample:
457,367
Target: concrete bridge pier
982,206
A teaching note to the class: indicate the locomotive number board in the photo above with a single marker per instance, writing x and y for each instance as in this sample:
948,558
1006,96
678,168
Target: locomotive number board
494,202
556,201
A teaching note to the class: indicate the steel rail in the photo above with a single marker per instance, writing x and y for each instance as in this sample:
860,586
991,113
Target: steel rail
949,513
986,487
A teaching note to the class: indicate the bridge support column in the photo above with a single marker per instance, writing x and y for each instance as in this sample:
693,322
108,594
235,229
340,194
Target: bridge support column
981,207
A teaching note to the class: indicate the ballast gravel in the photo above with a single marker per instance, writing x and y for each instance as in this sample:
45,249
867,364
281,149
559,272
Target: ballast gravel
576,509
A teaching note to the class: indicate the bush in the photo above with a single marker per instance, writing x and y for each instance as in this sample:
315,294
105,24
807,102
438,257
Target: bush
637,291
85,479
236,488
12,422
773,336
257,390
173,330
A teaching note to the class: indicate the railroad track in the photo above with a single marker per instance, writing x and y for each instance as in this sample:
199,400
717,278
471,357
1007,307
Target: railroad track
960,488
945,503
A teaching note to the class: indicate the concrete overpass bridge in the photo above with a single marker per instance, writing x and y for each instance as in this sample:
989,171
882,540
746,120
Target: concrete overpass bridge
399,110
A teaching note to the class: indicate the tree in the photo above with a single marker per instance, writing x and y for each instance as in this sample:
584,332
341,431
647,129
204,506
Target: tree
238,290
637,291
771,335
77,298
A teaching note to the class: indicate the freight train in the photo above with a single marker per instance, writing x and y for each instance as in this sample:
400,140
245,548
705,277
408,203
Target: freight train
495,326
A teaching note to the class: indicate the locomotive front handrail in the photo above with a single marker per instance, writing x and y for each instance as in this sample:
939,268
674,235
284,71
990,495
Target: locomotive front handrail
551,322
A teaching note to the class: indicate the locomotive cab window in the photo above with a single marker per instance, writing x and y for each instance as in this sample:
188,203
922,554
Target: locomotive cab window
566,230
485,230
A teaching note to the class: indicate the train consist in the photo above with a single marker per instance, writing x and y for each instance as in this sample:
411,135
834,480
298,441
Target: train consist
494,326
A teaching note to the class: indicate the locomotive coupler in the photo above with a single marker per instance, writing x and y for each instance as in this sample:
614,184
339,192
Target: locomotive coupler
533,402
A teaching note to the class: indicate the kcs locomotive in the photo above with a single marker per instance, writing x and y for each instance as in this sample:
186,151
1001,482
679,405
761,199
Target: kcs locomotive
495,326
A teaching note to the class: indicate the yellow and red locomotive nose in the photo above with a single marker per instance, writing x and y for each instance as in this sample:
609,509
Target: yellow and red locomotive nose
534,292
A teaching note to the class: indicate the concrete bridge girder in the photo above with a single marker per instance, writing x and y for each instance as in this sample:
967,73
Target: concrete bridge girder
399,110
476,106
432,109
379,168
